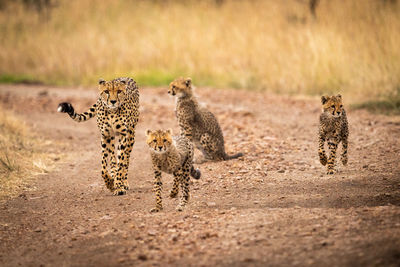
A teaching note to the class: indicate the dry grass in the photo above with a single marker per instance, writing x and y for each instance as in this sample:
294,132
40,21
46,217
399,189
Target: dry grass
19,154
352,46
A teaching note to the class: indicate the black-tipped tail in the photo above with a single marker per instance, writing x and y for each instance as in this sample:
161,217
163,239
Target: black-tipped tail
195,173
235,156
65,108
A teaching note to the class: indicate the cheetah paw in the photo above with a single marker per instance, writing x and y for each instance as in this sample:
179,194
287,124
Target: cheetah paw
323,159
180,208
173,195
154,210
330,171
119,192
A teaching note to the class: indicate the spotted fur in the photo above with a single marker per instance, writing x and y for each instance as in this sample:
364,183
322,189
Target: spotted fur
333,128
117,110
197,123
173,155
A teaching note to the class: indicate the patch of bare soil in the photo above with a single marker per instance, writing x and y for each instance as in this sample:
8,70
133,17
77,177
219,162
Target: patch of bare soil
275,206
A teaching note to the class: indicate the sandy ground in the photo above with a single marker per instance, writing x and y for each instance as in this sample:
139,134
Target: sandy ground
275,206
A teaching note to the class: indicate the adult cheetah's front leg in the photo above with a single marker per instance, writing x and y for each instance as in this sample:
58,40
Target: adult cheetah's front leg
120,181
106,149
130,143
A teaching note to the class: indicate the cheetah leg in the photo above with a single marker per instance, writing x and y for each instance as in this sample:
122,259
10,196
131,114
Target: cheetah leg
175,186
332,157
344,152
131,142
113,163
106,148
122,165
157,188
208,147
321,151
184,186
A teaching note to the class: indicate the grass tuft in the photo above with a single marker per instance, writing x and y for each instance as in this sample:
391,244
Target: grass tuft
20,155
388,105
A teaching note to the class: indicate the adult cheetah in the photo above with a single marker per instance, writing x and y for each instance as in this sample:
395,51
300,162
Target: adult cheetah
117,110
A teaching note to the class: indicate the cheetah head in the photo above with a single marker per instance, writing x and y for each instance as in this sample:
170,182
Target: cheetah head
180,87
159,141
332,105
112,93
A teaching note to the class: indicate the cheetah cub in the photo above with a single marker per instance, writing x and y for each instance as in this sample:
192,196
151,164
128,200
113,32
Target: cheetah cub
197,123
173,155
117,111
333,128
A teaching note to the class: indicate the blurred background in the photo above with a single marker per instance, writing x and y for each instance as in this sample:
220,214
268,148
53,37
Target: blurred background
292,46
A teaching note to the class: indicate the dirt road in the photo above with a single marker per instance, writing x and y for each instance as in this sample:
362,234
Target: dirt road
275,206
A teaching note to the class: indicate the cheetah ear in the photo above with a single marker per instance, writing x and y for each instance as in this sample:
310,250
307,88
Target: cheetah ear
102,81
188,81
339,96
169,131
148,132
324,98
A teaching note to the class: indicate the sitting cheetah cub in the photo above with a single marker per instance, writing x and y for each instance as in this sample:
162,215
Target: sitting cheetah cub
333,128
197,123
173,155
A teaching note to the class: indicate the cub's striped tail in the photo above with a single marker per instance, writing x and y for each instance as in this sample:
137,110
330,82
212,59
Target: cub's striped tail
195,173
68,108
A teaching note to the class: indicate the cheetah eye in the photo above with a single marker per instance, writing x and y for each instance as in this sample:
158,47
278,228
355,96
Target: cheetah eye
173,87
106,91
165,140
119,91
341,106
333,106
155,140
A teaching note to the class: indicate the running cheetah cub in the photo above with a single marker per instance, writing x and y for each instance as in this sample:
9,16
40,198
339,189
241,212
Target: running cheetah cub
173,155
197,123
333,128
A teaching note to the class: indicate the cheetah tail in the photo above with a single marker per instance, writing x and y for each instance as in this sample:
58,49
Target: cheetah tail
66,107
235,156
195,173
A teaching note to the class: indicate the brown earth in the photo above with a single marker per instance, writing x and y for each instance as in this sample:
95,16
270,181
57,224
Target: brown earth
275,206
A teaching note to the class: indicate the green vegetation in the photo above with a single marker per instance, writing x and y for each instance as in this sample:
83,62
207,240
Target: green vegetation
12,78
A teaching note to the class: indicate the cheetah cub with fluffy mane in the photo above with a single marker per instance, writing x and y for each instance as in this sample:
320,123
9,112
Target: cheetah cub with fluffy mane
197,123
173,155
333,128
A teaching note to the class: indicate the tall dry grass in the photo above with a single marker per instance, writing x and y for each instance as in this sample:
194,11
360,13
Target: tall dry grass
21,156
352,46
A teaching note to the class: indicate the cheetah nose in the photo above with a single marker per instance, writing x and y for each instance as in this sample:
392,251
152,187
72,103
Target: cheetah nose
338,112
160,147
113,101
